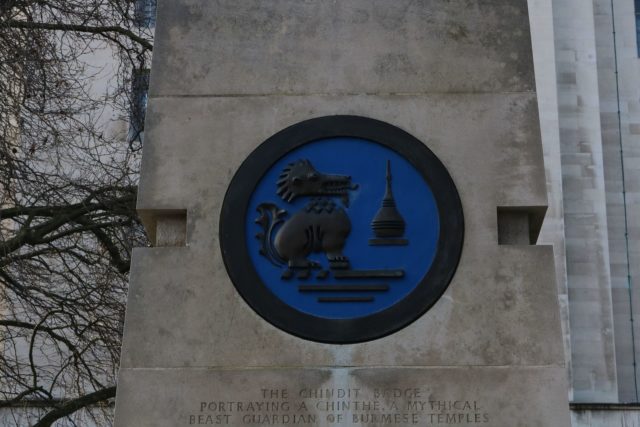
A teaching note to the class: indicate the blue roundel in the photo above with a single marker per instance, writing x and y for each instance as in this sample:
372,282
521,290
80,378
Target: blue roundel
342,228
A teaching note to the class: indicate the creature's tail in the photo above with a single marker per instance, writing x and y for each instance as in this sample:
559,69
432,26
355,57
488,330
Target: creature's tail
270,217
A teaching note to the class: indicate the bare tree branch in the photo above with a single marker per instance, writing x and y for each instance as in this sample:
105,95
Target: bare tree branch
56,26
69,89
74,405
31,326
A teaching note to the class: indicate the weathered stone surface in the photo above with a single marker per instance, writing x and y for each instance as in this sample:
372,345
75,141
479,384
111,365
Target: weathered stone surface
363,46
604,418
586,201
496,396
488,142
486,317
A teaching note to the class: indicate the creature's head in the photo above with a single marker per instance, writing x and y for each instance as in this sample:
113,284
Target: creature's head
301,179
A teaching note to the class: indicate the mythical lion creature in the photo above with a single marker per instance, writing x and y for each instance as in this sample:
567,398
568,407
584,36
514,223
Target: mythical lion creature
321,226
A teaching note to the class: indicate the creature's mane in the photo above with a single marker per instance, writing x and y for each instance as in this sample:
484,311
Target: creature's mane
284,180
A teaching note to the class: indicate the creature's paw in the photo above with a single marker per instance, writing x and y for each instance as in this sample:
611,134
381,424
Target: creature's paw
339,263
304,274
323,274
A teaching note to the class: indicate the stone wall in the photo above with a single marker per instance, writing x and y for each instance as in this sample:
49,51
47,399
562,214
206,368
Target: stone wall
592,176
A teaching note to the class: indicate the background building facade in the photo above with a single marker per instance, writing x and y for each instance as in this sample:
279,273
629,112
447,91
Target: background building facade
587,75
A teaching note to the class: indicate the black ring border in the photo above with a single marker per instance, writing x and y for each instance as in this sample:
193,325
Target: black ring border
340,331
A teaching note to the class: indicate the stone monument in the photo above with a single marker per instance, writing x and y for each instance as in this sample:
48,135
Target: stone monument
344,199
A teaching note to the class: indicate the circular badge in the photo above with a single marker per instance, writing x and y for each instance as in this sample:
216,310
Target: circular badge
341,229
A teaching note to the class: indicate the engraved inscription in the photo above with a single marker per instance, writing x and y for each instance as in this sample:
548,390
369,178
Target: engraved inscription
340,407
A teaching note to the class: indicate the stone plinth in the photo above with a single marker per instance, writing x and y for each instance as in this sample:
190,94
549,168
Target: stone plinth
457,75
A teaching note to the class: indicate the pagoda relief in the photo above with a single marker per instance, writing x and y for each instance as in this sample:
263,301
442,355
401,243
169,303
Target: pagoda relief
388,225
